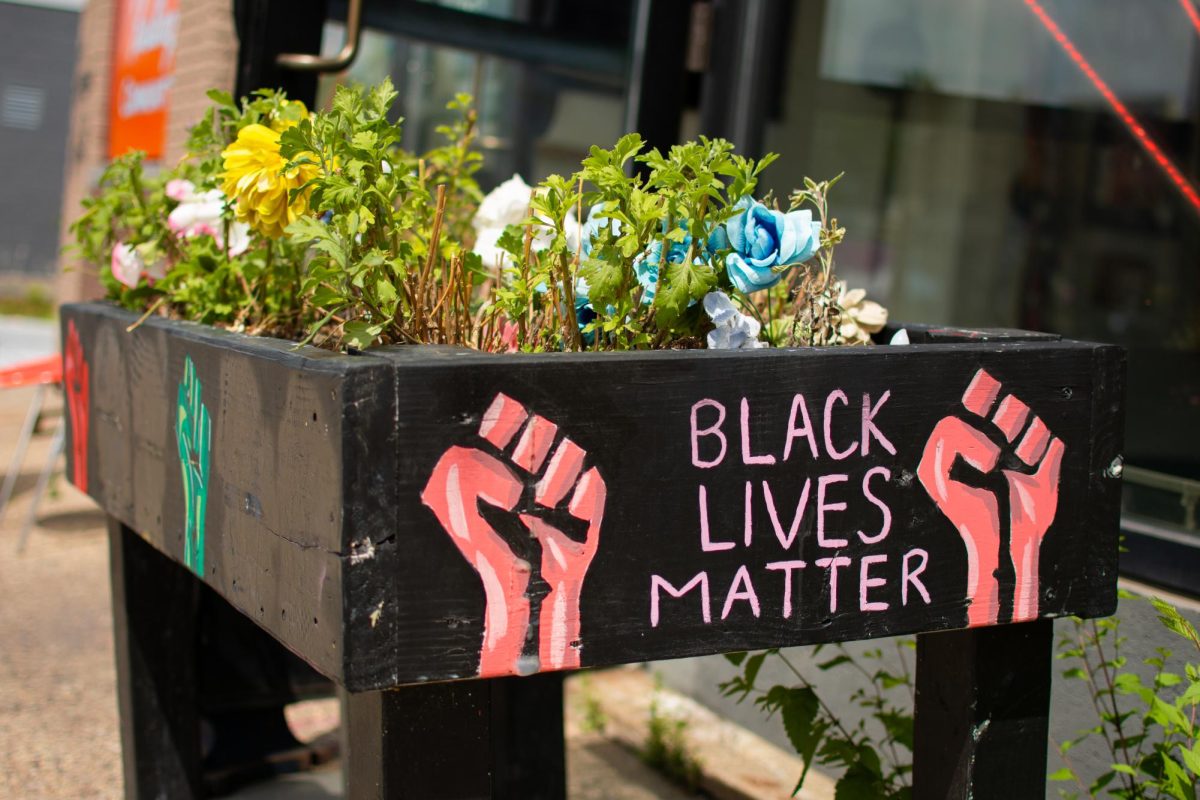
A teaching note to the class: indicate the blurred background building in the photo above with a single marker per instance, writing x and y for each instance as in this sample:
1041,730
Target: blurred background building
1012,163
37,52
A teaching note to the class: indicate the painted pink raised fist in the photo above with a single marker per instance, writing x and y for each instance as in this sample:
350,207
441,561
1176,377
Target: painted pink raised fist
975,511
466,479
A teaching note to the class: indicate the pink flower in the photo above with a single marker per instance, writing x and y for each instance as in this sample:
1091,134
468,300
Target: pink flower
126,265
508,335
129,265
180,189
201,214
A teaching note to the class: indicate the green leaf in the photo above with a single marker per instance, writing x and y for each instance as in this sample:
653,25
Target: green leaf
834,662
1064,774
360,334
1167,715
385,292
899,726
364,140
324,297
1173,621
799,707
605,279
753,665
1191,758
220,98
1103,780
684,283
857,784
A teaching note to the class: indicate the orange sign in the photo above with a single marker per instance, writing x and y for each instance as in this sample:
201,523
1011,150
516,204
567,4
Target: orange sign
143,69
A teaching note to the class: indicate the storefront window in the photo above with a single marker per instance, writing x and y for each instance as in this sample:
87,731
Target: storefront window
535,118
1009,163
1020,163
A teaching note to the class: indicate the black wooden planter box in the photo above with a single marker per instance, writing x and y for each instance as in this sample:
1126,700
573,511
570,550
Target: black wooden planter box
419,514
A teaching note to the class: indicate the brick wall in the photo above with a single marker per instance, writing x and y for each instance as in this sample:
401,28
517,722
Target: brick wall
206,58
87,142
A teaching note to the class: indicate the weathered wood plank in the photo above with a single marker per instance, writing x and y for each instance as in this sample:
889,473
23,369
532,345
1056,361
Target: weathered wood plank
500,738
269,493
983,712
632,415
455,514
155,637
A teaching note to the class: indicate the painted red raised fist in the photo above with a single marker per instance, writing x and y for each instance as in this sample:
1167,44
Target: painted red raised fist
466,479
975,511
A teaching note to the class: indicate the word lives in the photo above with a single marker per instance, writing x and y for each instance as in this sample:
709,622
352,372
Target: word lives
803,527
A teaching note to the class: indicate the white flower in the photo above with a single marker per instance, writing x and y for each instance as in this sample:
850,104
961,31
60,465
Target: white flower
201,213
506,205
734,330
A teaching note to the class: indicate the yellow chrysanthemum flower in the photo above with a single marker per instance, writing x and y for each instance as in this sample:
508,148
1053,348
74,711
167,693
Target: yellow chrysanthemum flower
255,179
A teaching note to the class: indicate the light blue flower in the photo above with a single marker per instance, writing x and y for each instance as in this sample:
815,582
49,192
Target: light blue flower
763,239
732,330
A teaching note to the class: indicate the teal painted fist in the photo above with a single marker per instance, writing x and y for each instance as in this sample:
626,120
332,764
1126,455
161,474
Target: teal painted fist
193,430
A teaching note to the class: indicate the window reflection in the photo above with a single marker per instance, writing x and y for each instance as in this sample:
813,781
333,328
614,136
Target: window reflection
532,121
1007,161
991,181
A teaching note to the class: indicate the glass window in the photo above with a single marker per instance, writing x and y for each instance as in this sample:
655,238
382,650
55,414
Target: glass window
1018,163
536,117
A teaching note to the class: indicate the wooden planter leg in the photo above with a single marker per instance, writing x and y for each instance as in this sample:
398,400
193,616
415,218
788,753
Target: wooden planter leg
154,619
982,712
499,738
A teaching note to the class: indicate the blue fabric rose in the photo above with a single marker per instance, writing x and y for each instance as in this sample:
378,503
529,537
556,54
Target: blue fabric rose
763,239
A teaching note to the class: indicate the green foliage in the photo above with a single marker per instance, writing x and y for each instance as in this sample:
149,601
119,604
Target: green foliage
256,290
594,718
385,237
666,749
1148,728
36,301
875,761
674,202
378,244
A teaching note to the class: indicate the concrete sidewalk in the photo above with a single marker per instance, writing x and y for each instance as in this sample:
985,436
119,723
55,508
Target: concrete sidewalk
24,339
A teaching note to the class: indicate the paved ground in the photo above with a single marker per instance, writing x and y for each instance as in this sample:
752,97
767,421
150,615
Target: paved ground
58,721
23,338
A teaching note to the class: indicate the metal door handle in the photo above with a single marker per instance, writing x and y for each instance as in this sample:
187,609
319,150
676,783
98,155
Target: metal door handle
305,62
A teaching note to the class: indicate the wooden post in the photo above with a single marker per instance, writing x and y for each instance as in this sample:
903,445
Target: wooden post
982,712
154,618
499,738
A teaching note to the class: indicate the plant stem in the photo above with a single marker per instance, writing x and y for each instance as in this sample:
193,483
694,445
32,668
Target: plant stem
434,242
1112,693
1093,693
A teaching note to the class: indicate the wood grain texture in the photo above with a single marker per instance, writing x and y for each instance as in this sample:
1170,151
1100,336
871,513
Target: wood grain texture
320,462
154,616
500,738
983,712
